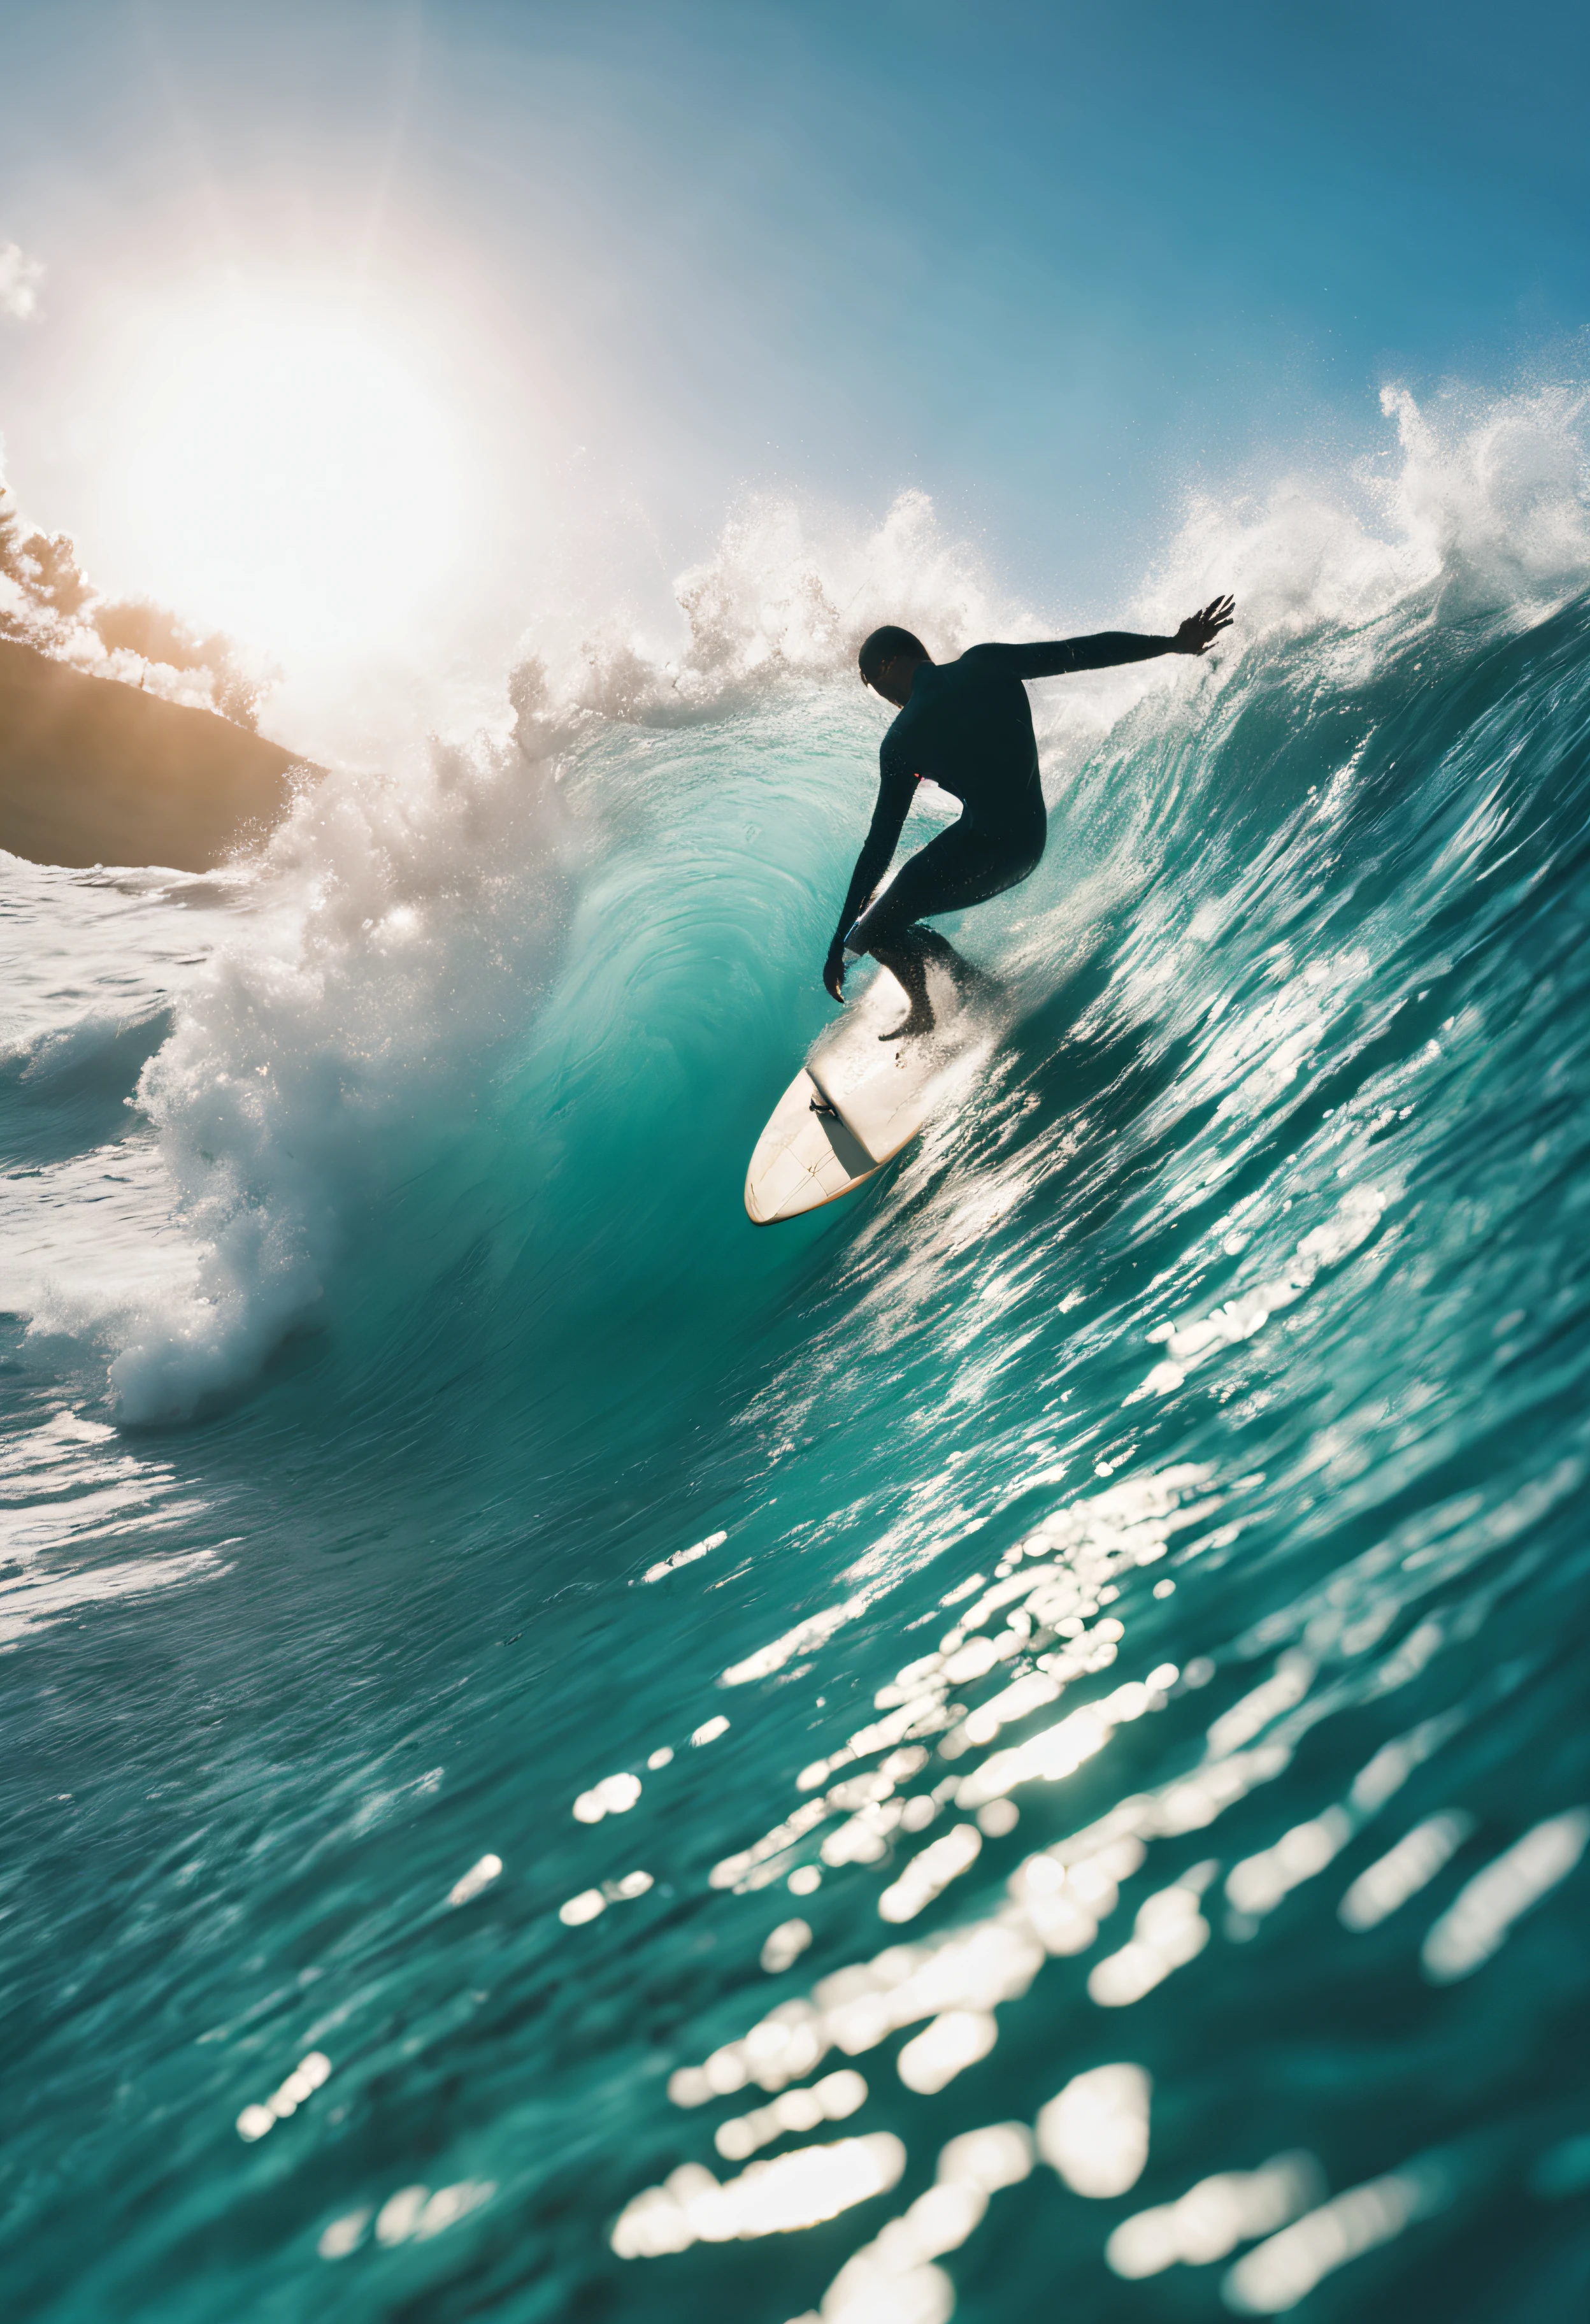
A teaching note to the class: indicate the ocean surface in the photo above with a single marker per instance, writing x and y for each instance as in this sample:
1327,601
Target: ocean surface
1016,1747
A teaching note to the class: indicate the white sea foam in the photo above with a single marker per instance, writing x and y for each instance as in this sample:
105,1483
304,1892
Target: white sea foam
337,1044
329,1051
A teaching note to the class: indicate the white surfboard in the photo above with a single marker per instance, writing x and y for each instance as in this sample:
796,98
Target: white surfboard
854,1105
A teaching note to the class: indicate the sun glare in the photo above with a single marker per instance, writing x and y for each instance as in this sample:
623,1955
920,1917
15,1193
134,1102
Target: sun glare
290,477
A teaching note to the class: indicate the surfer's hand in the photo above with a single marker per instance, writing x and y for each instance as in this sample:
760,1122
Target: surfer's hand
833,972
1198,631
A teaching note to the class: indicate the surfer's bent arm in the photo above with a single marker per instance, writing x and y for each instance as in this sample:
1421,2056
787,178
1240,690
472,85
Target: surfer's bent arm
896,788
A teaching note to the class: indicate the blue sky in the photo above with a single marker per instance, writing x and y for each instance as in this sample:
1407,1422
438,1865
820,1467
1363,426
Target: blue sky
1052,263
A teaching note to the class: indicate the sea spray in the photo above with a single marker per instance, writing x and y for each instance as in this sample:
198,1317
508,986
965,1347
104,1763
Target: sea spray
1076,1574
402,932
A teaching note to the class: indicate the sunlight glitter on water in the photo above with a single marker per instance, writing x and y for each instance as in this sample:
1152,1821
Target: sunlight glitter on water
969,1713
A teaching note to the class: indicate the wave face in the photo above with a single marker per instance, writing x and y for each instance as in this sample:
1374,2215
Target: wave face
575,1758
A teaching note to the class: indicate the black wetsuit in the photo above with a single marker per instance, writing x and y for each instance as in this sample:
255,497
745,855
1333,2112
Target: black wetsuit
968,727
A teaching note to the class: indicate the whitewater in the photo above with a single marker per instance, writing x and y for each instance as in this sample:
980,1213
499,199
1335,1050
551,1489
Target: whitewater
1017,1741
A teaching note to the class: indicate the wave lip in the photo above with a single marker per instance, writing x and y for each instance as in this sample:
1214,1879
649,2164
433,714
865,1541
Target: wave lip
403,937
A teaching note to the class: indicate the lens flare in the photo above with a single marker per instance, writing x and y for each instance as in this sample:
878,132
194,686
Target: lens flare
290,472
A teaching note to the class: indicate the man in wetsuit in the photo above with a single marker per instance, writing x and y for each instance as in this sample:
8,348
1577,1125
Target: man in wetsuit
967,726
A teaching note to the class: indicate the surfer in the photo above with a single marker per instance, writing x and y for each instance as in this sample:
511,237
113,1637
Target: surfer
966,725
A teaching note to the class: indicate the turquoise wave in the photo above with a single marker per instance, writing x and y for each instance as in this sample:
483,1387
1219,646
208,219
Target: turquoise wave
527,1693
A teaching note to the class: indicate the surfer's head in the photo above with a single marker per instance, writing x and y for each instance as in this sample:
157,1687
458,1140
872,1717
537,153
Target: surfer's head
890,660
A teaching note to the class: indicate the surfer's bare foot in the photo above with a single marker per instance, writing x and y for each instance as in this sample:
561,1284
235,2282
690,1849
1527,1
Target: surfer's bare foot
920,1021
967,977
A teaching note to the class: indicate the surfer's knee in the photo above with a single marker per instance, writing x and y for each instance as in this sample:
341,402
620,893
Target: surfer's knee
912,939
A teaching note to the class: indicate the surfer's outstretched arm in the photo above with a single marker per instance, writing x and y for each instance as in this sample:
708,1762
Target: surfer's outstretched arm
1110,648
895,788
